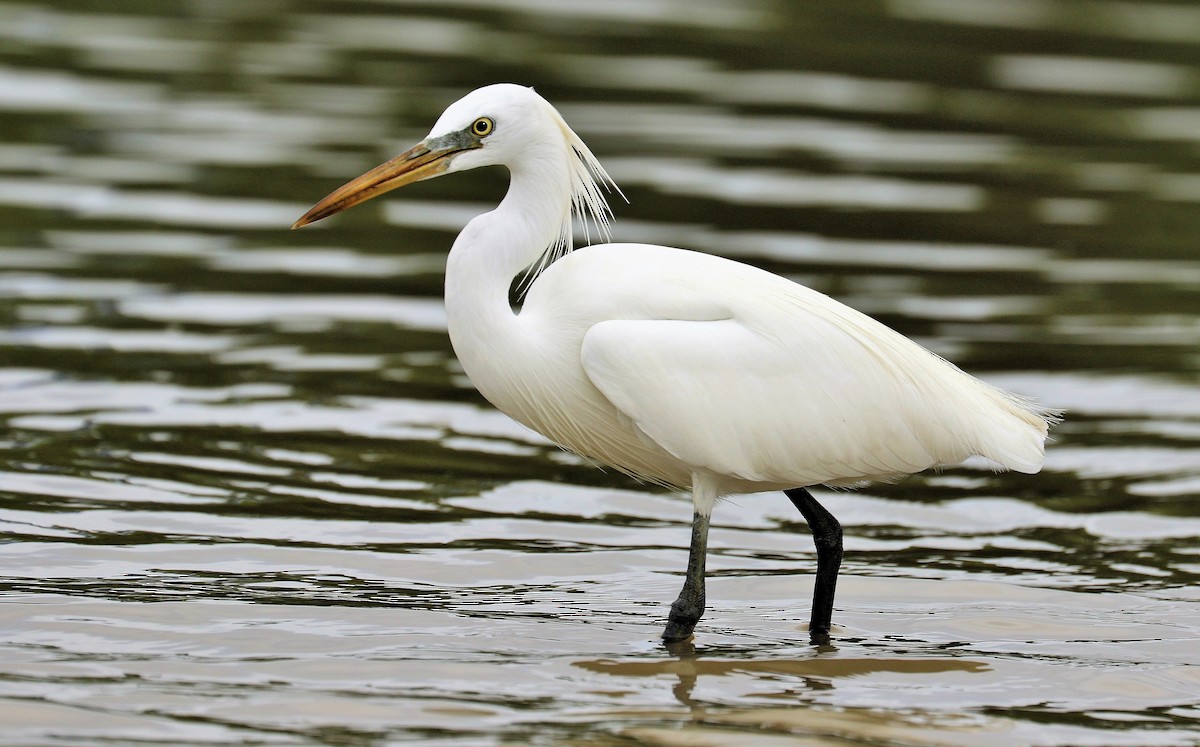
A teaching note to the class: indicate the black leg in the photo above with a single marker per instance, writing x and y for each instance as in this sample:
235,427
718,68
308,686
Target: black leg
827,536
688,608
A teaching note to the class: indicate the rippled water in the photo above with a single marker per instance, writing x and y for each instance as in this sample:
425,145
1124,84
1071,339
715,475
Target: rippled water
247,495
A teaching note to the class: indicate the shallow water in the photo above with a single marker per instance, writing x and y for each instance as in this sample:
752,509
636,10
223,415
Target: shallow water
248,497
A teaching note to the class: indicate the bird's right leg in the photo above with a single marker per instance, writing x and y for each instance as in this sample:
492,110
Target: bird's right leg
687,609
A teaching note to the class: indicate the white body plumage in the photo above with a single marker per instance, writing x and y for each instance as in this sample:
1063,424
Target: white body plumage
666,363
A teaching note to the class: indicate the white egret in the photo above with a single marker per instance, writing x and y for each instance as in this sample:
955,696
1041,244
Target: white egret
676,367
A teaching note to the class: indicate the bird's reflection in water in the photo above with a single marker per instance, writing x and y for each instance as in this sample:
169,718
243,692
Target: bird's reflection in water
687,669
685,653
795,677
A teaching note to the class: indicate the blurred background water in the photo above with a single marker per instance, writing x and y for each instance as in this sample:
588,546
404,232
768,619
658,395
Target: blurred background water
248,497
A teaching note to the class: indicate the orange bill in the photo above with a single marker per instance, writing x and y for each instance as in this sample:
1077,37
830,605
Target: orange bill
424,160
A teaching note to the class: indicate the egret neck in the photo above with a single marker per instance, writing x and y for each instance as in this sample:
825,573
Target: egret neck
492,250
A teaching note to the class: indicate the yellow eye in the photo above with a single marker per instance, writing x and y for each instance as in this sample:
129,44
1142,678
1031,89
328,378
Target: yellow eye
482,127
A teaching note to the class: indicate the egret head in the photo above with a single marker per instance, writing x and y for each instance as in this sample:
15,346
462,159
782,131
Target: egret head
499,124
495,124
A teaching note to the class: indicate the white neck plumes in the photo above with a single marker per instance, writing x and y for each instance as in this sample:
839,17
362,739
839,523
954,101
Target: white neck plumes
586,180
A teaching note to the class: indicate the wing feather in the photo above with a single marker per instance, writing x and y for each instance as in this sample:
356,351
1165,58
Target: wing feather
803,391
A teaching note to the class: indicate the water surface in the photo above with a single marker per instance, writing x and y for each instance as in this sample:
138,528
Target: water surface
248,497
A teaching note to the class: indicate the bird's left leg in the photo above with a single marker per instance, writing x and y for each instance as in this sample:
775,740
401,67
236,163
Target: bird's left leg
827,535
687,609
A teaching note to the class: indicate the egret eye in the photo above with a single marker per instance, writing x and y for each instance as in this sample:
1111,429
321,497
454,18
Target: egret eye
483,127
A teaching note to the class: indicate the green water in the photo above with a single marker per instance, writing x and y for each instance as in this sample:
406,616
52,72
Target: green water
248,497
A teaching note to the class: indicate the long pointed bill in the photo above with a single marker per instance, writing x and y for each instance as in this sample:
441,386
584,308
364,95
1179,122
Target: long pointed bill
424,160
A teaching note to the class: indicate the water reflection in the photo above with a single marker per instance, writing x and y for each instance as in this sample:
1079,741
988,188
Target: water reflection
764,187
1161,22
815,673
796,692
1094,76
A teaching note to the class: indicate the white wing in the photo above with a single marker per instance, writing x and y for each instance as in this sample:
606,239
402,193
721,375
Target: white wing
795,388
